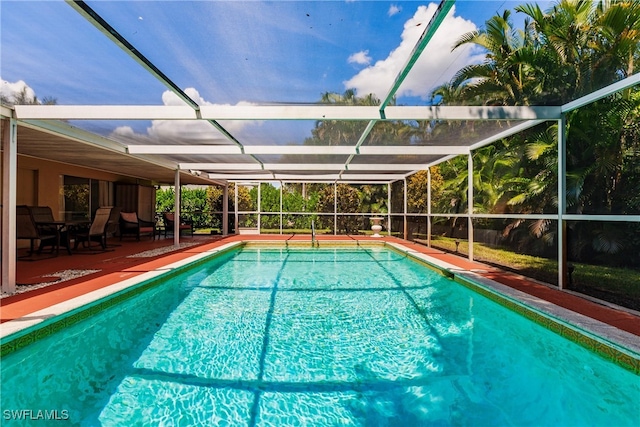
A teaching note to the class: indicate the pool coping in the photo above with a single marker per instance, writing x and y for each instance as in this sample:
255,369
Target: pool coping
608,341
14,328
619,346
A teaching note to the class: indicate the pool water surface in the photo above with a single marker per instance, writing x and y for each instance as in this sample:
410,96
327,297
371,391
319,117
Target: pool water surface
355,337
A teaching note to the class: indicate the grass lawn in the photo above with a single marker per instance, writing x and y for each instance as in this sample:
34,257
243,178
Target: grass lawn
621,282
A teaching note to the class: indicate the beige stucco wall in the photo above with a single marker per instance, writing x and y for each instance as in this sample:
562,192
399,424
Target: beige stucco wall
48,180
39,182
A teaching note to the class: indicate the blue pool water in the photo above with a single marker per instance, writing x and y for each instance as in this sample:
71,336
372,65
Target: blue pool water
335,337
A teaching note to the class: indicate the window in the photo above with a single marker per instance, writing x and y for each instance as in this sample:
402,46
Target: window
82,196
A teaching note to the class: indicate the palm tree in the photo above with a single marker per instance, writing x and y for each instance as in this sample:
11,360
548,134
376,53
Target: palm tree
573,48
23,98
592,44
337,132
504,77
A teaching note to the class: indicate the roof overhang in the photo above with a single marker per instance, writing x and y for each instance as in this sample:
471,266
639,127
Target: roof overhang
59,142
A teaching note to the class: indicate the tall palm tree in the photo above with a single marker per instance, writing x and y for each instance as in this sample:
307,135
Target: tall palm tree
337,132
594,44
619,43
503,77
575,47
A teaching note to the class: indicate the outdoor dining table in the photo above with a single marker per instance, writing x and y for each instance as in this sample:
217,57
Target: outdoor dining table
66,228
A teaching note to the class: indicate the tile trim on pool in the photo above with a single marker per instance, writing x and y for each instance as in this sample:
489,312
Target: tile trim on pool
607,341
616,345
18,333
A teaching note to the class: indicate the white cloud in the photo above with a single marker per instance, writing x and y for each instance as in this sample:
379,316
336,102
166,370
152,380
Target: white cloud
436,65
394,9
124,132
194,131
361,58
8,89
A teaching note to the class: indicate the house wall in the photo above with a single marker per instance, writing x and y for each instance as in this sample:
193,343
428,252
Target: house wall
136,198
45,191
39,183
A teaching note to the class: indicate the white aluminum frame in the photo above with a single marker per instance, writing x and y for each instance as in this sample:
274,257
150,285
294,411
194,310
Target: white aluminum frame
318,112
45,118
304,150
9,195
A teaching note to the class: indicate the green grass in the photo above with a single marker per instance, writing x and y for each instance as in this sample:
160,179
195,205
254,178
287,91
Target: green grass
621,281
207,231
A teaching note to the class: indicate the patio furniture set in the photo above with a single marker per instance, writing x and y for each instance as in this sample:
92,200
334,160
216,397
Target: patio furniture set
37,224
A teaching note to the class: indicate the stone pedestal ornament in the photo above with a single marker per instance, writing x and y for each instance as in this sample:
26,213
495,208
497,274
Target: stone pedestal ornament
376,227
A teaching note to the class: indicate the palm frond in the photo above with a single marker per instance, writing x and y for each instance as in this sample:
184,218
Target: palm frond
608,240
470,37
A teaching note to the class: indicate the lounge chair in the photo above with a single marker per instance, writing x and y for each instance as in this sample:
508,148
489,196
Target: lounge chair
169,219
131,225
97,232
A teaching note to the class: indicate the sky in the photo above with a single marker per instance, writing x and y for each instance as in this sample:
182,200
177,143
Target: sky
230,53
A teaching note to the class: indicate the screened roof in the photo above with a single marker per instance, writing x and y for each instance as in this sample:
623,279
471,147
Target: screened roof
246,90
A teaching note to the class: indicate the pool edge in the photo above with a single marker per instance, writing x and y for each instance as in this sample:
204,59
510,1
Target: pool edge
19,333
609,342
600,338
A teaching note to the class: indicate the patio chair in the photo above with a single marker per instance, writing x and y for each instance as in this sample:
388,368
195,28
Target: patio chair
43,217
27,229
131,225
169,219
97,232
113,226
47,224
114,221
42,214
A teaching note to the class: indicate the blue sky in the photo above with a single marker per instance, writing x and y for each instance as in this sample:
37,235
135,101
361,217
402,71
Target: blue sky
230,52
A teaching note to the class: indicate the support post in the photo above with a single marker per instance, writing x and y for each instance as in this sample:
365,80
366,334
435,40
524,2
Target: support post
429,207
562,185
281,216
176,209
335,208
9,191
388,209
259,208
236,220
404,209
225,209
470,205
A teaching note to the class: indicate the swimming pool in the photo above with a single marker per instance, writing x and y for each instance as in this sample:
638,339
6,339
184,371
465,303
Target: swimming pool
344,336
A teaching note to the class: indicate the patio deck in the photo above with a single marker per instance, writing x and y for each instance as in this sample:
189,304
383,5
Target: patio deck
97,270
